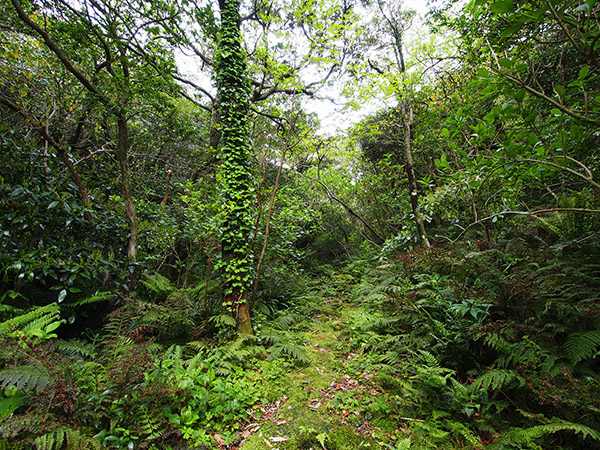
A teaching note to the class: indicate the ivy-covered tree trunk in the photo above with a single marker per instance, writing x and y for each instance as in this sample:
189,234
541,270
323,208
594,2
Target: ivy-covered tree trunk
235,164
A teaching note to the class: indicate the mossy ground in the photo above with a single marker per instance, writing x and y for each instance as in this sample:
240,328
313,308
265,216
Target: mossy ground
320,405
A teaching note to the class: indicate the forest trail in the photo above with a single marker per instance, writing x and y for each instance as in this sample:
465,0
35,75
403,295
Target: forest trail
326,404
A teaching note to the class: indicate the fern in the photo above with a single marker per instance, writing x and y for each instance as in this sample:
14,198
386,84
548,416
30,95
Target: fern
402,444
150,427
382,323
287,349
458,429
23,424
284,321
428,358
159,284
36,319
269,336
221,320
518,436
32,377
496,379
6,445
98,297
66,439
582,345
76,349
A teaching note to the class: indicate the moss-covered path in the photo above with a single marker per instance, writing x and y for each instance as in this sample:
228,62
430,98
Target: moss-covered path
326,405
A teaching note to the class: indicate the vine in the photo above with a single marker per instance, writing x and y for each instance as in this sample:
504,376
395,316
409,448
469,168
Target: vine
235,163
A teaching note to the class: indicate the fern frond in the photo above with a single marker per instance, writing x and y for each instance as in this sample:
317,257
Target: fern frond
270,336
382,323
158,283
36,319
75,348
582,345
402,444
518,435
197,346
375,297
428,358
150,426
154,348
223,320
458,428
6,445
287,349
225,368
31,377
98,297
22,424
552,366
284,321
496,379
67,439
390,358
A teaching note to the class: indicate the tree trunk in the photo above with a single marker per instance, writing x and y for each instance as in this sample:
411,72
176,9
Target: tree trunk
122,151
235,164
407,117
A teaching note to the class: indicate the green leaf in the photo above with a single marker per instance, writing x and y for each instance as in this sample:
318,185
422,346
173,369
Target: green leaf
483,72
505,62
511,30
583,72
501,7
53,204
520,95
583,8
62,295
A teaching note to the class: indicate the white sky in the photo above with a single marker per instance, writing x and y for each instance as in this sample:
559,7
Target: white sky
332,118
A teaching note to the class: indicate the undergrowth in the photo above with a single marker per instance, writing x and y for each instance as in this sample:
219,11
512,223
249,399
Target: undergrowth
496,346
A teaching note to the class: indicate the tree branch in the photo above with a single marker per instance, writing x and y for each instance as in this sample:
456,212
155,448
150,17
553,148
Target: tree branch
544,97
525,213
55,49
378,238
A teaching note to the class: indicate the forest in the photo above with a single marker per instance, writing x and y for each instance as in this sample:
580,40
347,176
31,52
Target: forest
299,224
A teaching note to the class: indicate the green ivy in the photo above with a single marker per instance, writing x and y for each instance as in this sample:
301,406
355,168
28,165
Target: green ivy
235,156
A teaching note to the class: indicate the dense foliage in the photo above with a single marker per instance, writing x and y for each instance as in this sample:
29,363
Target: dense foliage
171,251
